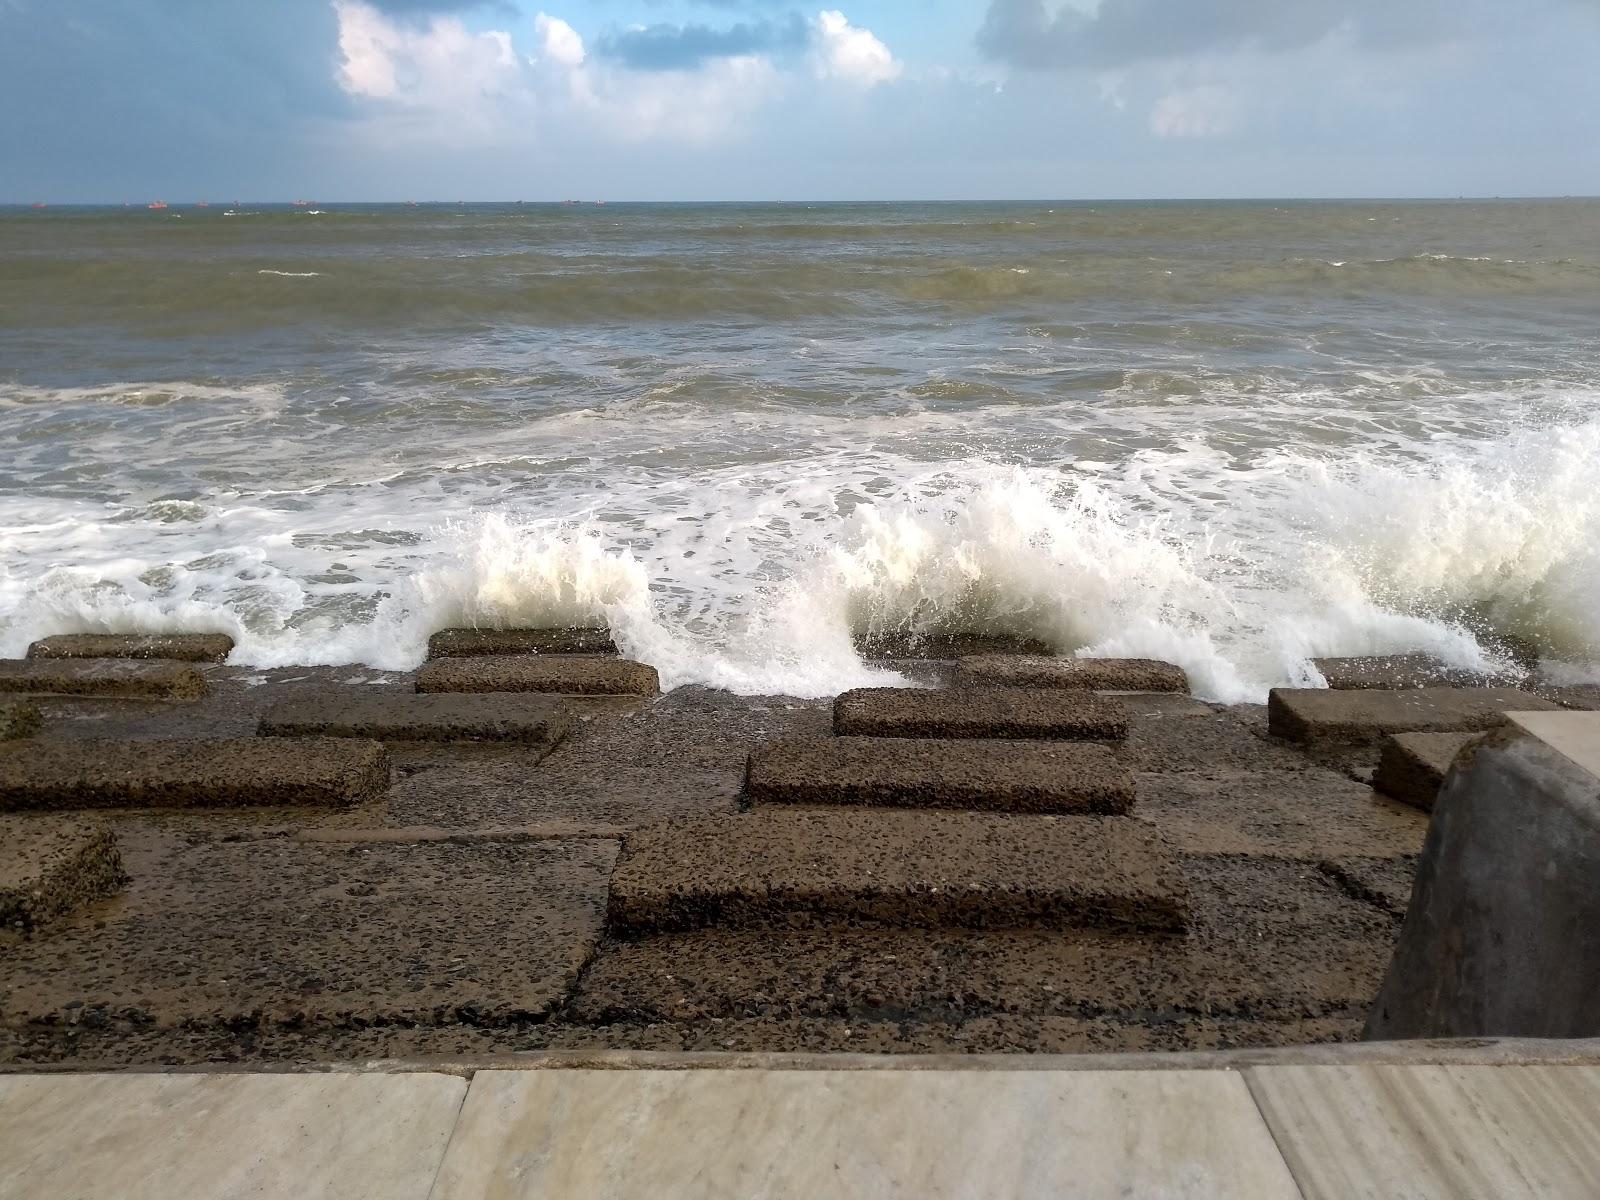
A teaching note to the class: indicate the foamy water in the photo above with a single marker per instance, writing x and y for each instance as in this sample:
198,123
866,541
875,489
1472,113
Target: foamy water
743,438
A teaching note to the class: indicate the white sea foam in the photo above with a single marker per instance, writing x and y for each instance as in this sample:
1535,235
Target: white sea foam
290,274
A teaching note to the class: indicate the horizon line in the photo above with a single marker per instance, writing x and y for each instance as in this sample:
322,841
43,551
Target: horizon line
571,201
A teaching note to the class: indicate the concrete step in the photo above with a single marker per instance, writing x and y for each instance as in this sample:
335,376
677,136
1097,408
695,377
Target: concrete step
192,772
466,643
778,868
979,713
1394,671
49,868
182,647
1075,674
901,643
101,677
1326,717
1413,765
569,674
997,776
402,717
19,720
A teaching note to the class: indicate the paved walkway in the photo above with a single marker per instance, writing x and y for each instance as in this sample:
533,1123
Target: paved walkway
1357,1129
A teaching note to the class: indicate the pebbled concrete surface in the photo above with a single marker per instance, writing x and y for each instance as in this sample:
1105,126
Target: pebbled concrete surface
776,867
101,677
277,932
987,775
51,868
19,720
572,674
51,774
464,643
978,713
1413,765
1080,674
538,720
177,647
1396,671
1314,715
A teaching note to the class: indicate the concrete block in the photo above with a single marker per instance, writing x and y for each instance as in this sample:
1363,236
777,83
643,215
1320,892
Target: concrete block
181,647
1502,938
997,776
188,773
776,867
52,867
1011,713
904,643
1392,671
1574,734
535,720
1413,765
1080,674
466,643
19,720
1320,716
568,674
105,678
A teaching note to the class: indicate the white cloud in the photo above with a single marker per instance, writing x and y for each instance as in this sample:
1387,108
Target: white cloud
848,52
558,41
1198,112
439,65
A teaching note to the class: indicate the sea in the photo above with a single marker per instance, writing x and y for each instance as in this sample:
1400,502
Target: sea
1233,435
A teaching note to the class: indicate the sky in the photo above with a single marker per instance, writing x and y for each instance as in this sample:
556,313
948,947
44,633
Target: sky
117,100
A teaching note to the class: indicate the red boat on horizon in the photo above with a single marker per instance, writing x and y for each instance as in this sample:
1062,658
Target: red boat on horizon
156,204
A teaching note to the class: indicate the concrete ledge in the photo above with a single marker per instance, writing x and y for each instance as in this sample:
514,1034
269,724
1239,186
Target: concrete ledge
979,713
200,772
996,776
50,869
775,868
536,720
19,720
1081,674
102,678
573,675
902,643
467,643
1414,765
182,647
1320,716
1392,671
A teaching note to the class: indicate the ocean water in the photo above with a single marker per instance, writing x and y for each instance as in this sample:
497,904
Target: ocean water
1232,435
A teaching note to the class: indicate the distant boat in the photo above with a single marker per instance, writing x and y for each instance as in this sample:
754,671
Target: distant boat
202,204
303,203
38,204
155,204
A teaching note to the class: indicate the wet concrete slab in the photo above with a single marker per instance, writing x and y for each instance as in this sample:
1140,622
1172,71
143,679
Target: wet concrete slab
19,720
205,772
986,775
1413,765
465,643
1383,882
178,647
573,674
535,720
1318,716
51,868
1396,671
775,867
1077,674
1010,713
276,931
101,677
943,646
1575,735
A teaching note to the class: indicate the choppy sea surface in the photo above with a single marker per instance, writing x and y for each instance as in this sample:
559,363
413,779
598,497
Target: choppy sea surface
1232,435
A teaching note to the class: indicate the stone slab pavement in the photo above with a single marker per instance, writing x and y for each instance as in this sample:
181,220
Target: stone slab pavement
728,1126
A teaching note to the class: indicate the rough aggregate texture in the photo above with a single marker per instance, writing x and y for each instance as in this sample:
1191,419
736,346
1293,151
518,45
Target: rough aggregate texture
776,867
573,674
178,647
464,643
1382,882
537,720
54,774
101,677
50,868
1413,765
19,721
1011,713
928,644
991,775
1081,674
1315,715
1395,671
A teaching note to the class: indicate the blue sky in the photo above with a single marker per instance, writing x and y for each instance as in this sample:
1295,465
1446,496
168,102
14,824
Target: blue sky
111,100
